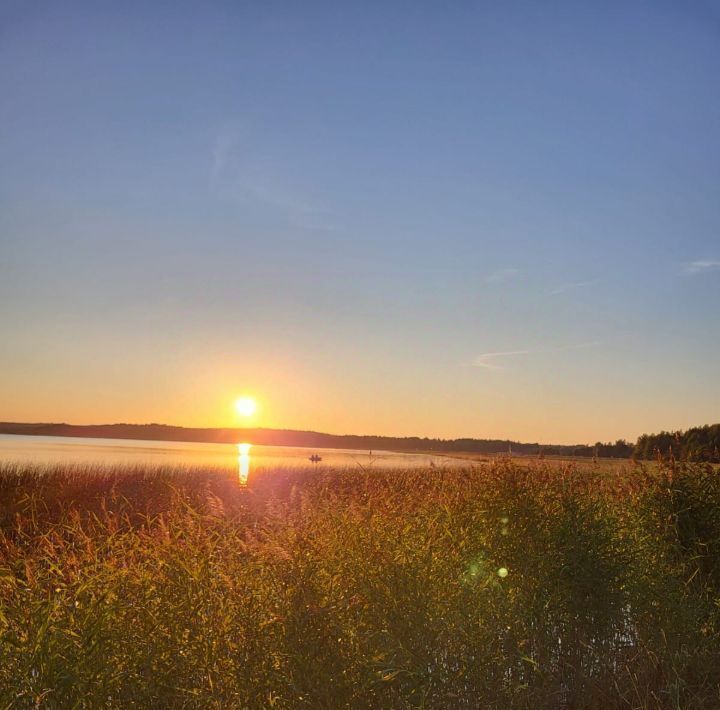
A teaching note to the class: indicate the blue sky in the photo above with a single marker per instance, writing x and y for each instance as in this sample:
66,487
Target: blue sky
490,219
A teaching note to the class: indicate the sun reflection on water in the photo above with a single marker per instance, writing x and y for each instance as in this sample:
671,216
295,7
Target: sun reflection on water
243,463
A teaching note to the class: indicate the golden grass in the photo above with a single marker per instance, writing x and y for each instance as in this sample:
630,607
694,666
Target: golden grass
498,587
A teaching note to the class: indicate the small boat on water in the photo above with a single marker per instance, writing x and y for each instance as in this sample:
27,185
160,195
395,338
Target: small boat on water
315,458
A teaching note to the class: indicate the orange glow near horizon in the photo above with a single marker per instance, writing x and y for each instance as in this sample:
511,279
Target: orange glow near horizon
203,394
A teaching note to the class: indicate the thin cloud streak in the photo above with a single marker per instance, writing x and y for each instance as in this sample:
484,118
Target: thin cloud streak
246,181
693,268
488,361
502,275
262,190
225,144
571,286
301,212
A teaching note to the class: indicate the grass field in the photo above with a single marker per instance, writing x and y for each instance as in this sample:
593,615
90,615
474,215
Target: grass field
506,586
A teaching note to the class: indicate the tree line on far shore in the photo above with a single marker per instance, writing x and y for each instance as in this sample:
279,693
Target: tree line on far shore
696,444
700,443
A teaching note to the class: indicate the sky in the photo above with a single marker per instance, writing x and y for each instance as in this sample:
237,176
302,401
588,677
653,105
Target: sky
486,219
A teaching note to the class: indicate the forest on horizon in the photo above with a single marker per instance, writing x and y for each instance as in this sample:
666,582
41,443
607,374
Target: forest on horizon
695,444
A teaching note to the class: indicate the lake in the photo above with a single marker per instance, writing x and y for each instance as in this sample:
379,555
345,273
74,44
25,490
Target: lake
241,456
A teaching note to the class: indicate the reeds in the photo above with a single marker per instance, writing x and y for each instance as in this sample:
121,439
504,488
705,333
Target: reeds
500,587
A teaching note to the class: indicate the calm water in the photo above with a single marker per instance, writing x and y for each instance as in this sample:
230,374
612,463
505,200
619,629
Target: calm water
57,449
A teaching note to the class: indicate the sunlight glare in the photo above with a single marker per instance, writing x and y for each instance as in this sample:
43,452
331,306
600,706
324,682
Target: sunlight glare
245,406
243,463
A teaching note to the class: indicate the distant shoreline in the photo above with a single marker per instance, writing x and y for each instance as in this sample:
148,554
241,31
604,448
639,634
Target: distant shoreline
458,448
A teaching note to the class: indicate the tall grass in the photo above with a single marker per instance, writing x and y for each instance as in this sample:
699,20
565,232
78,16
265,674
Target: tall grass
504,587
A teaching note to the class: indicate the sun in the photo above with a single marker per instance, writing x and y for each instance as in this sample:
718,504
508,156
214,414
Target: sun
245,406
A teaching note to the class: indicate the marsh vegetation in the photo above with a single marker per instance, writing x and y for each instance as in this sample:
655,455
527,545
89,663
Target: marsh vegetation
499,587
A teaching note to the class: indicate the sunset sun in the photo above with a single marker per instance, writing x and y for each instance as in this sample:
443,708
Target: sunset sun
245,406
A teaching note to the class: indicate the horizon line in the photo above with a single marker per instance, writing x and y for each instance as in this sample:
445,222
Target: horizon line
311,431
